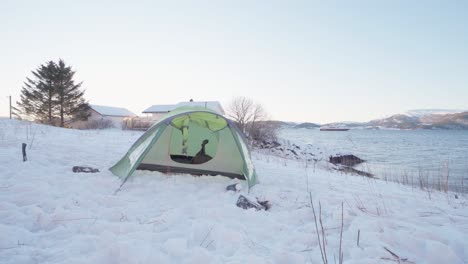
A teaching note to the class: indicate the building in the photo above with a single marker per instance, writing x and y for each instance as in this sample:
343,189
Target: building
156,111
104,117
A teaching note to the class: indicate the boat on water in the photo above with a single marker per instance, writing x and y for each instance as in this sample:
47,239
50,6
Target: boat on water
333,129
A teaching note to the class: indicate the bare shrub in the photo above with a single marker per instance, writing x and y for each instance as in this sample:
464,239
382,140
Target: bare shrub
98,124
136,123
264,130
252,118
428,179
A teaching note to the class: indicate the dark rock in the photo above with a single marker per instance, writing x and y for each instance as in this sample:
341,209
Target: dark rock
267,144
347,169
347,160
234,187
266,204
245,203
77,169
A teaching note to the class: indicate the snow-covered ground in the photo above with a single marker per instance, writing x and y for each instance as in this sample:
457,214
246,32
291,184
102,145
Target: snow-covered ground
48,214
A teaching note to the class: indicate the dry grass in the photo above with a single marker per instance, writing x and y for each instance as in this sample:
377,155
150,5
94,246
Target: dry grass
428,180
321,236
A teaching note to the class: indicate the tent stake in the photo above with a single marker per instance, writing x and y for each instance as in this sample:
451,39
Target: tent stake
122,184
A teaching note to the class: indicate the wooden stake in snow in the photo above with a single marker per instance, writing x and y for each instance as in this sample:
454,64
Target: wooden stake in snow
24,152
358,235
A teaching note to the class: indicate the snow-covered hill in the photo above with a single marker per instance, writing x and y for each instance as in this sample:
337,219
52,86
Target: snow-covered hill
425,120
48,214
307,125
426,112
412,119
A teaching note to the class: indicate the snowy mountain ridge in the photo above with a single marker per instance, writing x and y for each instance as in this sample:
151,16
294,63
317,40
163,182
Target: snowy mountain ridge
425,112
424,119
411,119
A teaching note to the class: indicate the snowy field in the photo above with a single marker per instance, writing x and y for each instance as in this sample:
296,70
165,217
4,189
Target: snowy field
48,214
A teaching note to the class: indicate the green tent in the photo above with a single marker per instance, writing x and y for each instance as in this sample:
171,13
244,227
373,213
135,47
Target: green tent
192,140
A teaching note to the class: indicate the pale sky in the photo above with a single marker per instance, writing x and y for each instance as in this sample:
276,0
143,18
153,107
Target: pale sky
313,61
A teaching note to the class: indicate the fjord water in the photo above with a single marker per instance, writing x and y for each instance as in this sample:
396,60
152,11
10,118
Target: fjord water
394,154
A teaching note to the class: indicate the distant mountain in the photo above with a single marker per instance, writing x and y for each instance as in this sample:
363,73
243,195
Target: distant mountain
277,123
307,125
416,119
448,121
400,121
424,120
413,119
427,112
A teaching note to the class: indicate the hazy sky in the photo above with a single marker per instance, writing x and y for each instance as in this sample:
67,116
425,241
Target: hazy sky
316,61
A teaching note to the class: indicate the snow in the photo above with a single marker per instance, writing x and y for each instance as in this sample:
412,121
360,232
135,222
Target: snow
48,214
111,111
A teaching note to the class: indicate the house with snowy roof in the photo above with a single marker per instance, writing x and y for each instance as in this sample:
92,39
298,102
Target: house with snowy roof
104,117
155,112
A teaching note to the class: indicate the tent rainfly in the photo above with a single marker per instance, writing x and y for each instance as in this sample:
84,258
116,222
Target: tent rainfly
192,140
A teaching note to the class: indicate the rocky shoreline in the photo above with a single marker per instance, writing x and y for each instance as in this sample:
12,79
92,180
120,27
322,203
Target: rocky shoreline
285,149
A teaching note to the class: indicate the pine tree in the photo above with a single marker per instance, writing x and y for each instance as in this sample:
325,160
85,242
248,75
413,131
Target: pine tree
16,113
69,99
52,94
37,94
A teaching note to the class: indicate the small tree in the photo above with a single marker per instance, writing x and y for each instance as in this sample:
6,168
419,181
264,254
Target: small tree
52,94
251,118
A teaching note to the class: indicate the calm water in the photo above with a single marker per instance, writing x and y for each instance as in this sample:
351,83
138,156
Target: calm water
393,153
